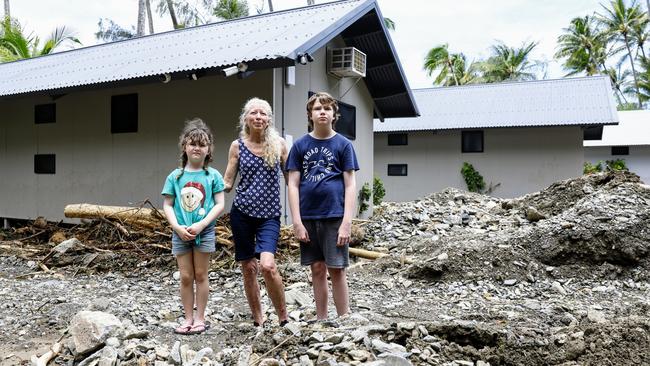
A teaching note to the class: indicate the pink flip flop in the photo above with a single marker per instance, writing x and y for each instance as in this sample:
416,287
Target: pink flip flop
185,328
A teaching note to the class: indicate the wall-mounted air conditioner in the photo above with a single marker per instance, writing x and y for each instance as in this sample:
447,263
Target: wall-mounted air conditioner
346,62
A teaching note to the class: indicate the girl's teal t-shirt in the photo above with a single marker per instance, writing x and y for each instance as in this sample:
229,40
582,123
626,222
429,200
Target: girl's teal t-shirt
193,193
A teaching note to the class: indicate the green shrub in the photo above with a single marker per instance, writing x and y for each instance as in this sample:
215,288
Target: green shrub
378,191
473,178
617,164
590,168
364,197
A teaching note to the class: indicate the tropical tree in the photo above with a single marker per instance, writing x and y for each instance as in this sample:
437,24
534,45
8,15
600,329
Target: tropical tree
109,31
389,23
19,45
167,7
7,11
619,21
149,16
584,46
142,11
509,64
620,83
644,79
445,63
231,9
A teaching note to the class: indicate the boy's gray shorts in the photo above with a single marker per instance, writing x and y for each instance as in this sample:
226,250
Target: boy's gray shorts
207,242
323,234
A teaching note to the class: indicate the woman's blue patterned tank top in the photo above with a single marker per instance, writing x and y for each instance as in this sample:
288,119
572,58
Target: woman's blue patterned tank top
258,191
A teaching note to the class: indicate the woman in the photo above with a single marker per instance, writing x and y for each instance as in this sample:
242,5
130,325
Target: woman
258,156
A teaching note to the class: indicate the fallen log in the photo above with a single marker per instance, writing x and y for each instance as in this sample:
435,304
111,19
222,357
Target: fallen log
137,216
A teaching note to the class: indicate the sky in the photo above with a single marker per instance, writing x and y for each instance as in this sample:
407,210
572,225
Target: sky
467,26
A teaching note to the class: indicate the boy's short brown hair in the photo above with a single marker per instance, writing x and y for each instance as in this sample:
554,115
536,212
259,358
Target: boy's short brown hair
326,100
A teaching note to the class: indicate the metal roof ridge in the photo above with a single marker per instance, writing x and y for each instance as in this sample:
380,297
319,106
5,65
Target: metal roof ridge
509,83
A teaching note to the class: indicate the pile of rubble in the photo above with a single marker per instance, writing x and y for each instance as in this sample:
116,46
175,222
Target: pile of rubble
559,277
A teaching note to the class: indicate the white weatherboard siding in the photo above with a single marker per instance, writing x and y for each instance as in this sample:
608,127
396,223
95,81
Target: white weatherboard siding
638,161
95,166
523,160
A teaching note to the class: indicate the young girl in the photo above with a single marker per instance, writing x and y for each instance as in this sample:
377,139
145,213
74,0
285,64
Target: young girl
194,198
258,156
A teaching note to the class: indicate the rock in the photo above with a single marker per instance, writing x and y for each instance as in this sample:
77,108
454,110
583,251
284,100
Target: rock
395,360
463,363
204,352
297,297
596,316
557,287
245,353
510,282
108,357
306,361
176,276
359,354
90,329
443,256
533,215
382,347
175,354
334,338
65,246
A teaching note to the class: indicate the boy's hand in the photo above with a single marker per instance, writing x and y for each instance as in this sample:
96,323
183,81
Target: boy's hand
184,234
344,234
300,232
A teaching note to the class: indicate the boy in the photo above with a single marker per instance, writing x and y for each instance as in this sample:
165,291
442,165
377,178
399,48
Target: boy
322,191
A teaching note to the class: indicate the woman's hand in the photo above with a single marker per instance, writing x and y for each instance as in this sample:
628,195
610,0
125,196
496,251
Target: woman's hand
184,233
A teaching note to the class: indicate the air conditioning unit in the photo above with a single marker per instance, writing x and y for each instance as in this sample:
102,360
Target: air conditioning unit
346,62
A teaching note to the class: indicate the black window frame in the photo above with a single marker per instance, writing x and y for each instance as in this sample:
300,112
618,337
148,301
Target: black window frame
398,166
466,145
620,150
44,163
124,113
44,113
398,139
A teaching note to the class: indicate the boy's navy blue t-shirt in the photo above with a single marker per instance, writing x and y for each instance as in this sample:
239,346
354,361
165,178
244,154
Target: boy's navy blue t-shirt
321,164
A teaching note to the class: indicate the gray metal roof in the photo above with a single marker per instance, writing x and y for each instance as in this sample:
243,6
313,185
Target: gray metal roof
263,41
585,101
632,129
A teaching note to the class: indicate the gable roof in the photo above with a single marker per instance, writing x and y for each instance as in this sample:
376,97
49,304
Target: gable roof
633,129
262,41
585,101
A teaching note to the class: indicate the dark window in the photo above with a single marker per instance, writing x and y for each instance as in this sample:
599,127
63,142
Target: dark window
44,164
124,113
398,169
45,113
620,150
472,141
395,139
346,125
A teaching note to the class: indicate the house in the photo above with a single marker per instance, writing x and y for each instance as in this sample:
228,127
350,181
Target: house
629,141
100,124
520,136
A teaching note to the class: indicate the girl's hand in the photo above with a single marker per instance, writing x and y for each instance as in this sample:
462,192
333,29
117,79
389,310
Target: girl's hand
300,232
184,234
344,234
196,228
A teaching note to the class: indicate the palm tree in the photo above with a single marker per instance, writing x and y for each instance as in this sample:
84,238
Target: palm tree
584,47
142,10
18,45
389,23
640,35
231,9
619,79
149,16
439,59
644,78
619,21
508,63
109,31
7,11
167,6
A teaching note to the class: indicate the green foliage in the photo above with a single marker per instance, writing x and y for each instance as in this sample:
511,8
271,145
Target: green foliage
16,44
609,165
590,168
627,107
378,191
364,197
473,178
231,9
617,164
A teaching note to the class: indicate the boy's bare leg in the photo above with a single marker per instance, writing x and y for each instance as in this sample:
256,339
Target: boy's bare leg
252,288
319,282
274,285
186,268
340,290
201,264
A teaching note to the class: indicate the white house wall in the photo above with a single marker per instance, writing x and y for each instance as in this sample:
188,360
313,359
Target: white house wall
313,77
638,161
522,160
95,166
